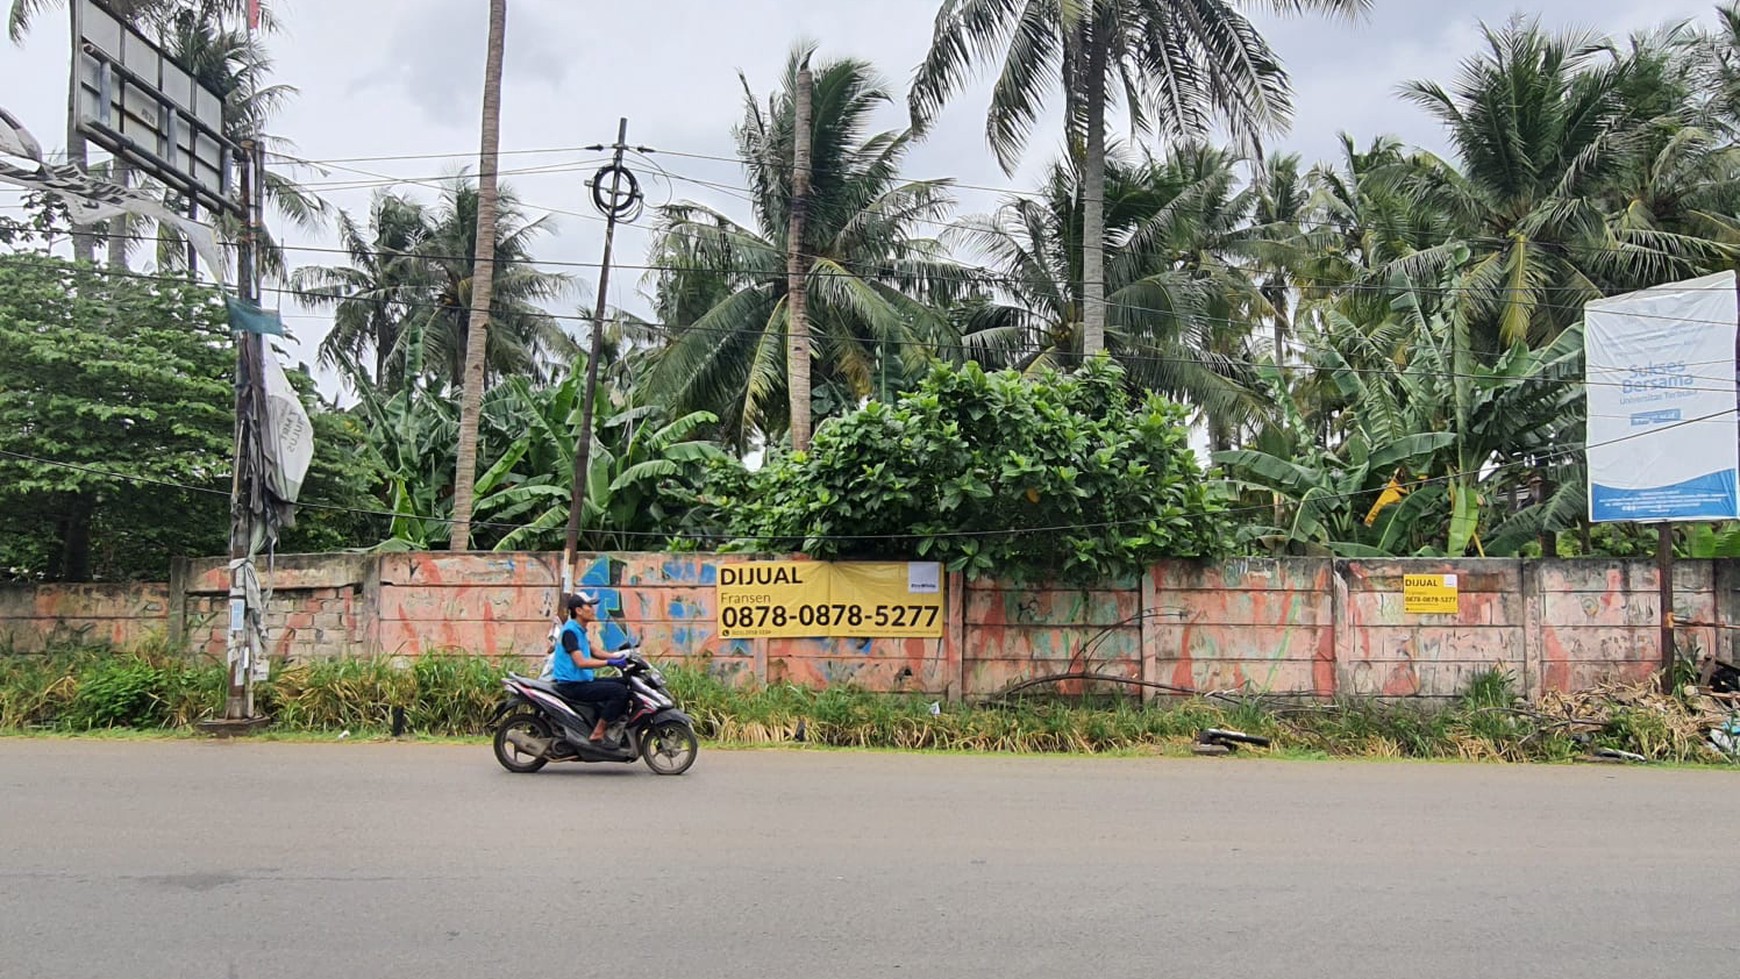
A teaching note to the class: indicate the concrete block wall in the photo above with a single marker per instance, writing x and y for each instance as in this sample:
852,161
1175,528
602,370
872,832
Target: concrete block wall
1258,624
33,617
1308,627
1015,632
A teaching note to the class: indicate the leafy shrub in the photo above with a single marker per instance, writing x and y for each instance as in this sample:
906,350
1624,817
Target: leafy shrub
999,473
116,692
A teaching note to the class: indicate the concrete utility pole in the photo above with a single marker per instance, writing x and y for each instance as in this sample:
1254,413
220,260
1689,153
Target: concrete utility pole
250,398
616,206
797,348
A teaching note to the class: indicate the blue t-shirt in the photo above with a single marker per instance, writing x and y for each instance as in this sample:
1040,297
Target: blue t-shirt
565,671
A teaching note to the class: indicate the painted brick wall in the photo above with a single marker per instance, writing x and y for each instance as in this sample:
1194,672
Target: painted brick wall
1295,626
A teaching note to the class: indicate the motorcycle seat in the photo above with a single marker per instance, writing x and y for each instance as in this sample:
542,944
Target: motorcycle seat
549,687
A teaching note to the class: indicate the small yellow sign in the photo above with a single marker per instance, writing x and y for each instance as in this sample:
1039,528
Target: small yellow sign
794,599
1430,594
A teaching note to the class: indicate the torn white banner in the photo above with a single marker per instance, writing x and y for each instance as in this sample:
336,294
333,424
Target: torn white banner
288,437
88,199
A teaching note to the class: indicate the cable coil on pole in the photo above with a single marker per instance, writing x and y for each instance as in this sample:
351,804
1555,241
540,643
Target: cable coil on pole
616,192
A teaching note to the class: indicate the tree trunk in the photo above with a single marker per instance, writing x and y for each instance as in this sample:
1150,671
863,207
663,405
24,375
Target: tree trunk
1093,231
117,229
74,563
386,338
482,282
84,241
1283,324
797,356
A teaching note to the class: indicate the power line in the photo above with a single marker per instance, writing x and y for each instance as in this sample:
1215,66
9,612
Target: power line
968,273
673,331
466,154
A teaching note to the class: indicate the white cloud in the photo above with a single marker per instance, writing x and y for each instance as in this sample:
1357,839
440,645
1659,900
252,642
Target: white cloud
389,77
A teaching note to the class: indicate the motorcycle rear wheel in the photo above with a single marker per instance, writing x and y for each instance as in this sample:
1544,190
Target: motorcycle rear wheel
512,758
669,748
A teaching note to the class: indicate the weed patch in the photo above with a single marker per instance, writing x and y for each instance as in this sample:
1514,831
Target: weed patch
454,696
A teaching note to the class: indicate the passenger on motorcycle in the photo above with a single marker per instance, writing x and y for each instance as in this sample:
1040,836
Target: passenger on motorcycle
574,661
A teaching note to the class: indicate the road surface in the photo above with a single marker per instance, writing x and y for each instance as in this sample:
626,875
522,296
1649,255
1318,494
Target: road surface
189,859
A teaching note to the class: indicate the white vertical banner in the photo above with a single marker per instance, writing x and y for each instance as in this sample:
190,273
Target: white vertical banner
1663,437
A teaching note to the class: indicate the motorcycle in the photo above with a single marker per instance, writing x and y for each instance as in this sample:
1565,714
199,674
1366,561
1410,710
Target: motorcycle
535,726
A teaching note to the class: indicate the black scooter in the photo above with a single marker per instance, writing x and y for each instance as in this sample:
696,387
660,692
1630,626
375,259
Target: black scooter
535,726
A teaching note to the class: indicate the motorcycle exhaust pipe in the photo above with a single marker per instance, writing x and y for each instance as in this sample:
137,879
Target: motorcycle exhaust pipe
538,747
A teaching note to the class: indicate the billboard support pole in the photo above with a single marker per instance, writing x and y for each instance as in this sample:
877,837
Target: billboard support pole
1664,570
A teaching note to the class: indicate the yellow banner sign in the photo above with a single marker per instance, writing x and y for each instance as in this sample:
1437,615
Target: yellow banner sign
1430,594
796,599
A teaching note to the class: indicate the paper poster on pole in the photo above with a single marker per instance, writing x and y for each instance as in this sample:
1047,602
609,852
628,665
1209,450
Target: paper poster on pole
1663,440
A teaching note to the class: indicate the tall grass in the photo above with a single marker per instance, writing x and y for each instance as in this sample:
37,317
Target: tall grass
76,690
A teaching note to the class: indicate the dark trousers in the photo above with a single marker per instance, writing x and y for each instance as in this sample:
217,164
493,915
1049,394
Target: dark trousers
611,696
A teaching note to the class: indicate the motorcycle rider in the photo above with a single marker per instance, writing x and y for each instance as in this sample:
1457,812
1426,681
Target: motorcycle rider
574,663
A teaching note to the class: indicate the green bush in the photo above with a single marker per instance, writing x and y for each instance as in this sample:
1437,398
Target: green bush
994,473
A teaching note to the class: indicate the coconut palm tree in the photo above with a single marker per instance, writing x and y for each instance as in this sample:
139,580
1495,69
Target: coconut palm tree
523,338
1178,67
1544,126
372,297
872,279
1180,307
408,284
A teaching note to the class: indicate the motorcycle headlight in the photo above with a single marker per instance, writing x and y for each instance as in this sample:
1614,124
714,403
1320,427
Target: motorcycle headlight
655,676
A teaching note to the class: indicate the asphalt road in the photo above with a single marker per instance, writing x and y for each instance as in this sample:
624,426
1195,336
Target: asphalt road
186,859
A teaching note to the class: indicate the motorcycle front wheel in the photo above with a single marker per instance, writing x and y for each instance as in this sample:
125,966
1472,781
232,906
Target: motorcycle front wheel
510,756
669,748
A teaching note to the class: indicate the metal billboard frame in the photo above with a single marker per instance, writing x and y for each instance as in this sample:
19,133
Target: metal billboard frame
138,103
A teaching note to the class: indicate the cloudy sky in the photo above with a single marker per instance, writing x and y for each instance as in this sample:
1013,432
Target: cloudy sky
402,77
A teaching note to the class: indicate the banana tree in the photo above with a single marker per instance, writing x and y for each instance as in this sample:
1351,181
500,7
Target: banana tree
641,467
1324,495
1459,438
